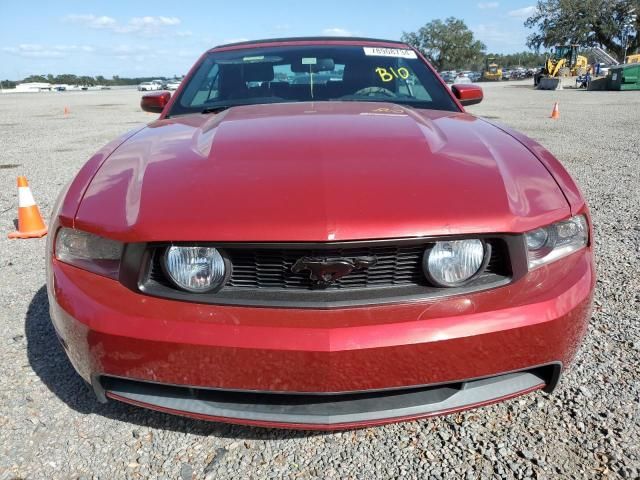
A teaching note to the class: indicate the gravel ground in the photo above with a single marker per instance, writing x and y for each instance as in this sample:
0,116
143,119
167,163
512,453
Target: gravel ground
51,426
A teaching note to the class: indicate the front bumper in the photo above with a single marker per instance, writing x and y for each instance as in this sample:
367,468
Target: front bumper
312,368
329,411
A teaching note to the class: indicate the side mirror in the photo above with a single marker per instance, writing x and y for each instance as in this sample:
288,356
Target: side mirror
155,102
467,94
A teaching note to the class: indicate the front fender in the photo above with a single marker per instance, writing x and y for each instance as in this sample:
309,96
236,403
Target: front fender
567,184
66,211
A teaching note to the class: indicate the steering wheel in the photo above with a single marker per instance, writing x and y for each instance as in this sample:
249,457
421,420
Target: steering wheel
374,91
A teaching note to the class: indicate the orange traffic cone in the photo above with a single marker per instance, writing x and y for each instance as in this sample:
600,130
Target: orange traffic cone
555,113
66,111
30,224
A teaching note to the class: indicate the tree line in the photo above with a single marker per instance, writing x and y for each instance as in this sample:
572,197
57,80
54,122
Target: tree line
510,61
83,80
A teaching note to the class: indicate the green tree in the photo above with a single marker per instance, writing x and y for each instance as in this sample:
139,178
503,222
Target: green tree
86,80
519,59
447,44
7,84
587,23
36,78
67,78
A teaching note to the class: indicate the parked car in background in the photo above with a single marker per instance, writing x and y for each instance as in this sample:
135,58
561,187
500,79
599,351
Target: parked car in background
461,78
448,75
319,255
171,84
518,74
149,86
506,74
475,76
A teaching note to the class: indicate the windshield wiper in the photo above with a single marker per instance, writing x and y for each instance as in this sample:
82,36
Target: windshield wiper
216,109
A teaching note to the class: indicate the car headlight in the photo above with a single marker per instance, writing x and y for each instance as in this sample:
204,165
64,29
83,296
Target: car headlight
195,269
452,263
88,251
557,240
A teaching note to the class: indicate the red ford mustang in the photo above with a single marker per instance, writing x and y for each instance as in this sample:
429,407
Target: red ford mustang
314,234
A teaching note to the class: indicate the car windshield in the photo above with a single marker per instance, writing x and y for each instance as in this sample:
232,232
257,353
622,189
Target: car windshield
311,73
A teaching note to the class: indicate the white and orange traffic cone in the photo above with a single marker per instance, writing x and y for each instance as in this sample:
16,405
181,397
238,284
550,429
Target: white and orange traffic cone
555,113
30,224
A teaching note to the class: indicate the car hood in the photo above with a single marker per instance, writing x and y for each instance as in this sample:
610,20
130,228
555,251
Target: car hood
318,172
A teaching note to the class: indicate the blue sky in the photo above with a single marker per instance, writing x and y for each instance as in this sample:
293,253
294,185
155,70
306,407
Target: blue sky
158,37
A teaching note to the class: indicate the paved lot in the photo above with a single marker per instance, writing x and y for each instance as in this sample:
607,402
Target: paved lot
51,426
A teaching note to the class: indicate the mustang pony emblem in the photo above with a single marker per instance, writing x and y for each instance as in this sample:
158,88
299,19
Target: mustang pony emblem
325,271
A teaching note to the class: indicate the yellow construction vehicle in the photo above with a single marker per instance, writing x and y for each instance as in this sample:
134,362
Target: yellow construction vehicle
563,62
633,58
492,72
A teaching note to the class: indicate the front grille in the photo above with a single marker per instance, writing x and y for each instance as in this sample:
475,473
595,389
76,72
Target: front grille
271,268
262,273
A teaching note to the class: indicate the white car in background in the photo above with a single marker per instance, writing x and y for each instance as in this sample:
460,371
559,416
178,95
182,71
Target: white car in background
461,78
149,86
172,84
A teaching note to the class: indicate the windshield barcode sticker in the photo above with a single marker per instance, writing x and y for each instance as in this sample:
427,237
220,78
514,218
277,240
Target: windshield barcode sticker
389,52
